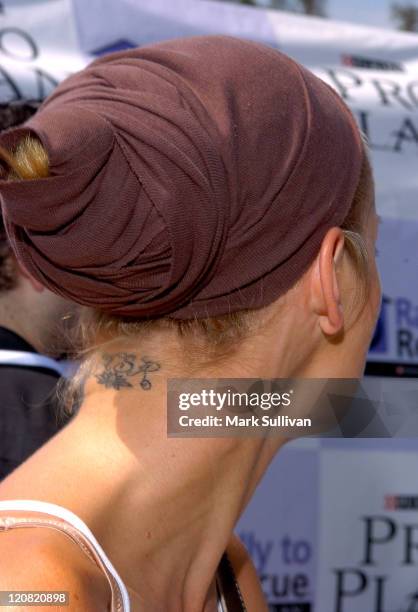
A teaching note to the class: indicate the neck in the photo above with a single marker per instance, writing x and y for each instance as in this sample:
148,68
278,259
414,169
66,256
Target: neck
174,502
163,508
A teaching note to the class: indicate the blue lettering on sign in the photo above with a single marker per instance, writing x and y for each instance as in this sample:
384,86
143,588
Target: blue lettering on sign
291,584
258,549
406,312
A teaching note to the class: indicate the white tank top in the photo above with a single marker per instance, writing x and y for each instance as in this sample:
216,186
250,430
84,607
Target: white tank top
77,530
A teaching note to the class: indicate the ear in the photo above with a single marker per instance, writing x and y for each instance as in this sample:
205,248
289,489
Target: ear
36,285
325,292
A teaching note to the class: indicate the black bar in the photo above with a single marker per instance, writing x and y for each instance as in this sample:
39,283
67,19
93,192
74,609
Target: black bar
391,369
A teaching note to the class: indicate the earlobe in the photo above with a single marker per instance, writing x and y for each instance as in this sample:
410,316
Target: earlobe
325,286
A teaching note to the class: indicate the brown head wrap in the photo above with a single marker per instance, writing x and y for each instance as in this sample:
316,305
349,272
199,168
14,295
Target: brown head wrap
193,177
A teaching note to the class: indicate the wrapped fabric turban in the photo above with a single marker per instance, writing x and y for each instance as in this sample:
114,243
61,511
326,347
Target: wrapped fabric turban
189,178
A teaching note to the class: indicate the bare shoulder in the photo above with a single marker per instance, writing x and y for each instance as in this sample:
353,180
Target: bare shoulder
39,559
246,575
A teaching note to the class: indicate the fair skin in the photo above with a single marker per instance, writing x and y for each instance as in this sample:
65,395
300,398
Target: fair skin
34,313
164,508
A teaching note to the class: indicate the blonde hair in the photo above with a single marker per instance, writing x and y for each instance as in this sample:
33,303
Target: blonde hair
29,160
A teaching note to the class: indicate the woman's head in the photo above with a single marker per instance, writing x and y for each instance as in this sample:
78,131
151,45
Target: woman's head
193,179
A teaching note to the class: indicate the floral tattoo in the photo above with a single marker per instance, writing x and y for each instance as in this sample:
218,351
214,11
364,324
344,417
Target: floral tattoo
121,371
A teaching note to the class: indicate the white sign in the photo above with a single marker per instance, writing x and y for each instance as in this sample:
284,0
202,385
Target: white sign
368,549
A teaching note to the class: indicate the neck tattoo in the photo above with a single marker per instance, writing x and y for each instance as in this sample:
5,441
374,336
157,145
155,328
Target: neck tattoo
122,370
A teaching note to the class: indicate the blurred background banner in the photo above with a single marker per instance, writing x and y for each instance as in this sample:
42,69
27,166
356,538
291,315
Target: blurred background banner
333,527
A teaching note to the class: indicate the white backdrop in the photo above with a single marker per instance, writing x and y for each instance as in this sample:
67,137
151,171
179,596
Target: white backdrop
324,529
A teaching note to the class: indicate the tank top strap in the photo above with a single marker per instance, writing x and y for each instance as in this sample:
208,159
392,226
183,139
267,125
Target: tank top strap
61,519
230,598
